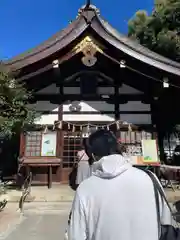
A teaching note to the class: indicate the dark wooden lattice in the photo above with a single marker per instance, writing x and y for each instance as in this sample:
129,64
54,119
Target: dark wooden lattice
33,144
72,144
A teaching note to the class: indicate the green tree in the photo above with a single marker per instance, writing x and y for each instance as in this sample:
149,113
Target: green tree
159,31
14,111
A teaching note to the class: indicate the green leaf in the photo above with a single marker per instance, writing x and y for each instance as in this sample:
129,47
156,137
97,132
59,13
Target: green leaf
14,112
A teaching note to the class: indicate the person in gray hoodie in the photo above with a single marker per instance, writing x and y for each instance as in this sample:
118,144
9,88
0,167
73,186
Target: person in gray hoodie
117,202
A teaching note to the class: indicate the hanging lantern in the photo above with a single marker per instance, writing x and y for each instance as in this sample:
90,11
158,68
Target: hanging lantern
122,64
88,128
55,63
73,128
60,125
129,128
117,125
69,127
165,82
45,130
96,127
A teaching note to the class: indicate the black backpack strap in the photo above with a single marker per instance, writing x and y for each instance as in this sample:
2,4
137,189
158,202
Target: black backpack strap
159,189
156,194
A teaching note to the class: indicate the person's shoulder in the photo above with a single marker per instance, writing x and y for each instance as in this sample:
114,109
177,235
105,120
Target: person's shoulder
86,186
141,175
135,171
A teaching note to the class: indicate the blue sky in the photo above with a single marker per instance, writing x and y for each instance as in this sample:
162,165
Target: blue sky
25,24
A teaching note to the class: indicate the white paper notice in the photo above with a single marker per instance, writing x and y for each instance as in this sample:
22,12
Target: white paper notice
48,147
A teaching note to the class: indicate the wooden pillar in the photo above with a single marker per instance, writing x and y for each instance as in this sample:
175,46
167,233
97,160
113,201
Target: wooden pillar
156,125
60,140
116,103
60,132
60,143
22,145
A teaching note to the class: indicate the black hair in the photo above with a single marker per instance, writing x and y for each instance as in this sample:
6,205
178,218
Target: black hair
84,142
102,143
121,148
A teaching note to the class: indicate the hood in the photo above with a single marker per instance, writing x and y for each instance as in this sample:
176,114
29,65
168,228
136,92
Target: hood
111,166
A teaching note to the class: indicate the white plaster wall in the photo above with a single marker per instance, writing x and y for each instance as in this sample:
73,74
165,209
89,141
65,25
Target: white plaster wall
91,106
95,106
47,119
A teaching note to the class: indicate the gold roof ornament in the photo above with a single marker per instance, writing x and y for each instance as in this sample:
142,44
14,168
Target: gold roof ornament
88,45
89,48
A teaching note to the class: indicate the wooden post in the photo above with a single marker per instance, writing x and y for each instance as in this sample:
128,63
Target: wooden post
157,135
116,104
60,142
50,177
156,124
59,145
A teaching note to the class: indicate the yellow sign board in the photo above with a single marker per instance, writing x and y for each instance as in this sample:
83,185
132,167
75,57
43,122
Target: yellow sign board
149,150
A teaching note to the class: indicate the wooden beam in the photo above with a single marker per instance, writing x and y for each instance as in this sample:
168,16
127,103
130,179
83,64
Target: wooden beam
75,97
75,83
94,113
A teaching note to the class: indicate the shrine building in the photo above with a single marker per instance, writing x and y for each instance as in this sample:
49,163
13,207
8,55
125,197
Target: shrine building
85,77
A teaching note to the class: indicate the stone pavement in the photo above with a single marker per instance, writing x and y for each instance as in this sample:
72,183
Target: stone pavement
9,218
45,217
58,193
63,193
39,221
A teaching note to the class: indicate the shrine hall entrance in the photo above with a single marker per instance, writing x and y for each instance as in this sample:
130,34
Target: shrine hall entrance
90,76
73,141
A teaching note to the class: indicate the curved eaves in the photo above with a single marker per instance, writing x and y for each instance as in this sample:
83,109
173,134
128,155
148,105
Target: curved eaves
51,46
132,48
